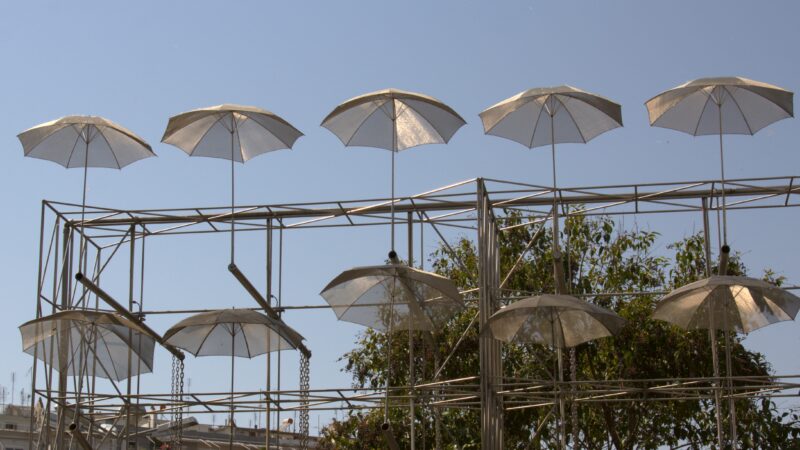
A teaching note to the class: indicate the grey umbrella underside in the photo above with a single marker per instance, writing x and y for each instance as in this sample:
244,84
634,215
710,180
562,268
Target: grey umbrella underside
209,334
64,141
577,116
393,297
746,106
94,342
207,132
559,321
392,119
731,303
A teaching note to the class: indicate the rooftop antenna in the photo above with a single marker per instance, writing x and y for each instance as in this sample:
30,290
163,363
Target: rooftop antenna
13,383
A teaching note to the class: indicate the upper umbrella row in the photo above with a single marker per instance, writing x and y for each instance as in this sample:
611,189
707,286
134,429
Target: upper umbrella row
397,120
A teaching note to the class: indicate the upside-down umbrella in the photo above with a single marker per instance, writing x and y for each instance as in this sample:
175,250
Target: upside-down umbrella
393,120
717,106
394,297
84,141
80,343
730,304
234,132
232,332
549,116
558,321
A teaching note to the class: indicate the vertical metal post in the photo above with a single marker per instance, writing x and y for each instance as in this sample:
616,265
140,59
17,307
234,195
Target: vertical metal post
489,348
411,368
66,282
269,355
39,284
131,282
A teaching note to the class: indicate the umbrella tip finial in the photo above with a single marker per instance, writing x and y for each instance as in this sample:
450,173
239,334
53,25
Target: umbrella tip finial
393,257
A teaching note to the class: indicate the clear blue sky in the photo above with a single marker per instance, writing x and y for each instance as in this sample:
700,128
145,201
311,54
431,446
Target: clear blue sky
137,63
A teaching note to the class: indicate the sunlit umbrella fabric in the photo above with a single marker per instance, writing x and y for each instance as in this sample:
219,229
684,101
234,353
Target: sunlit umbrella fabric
230,131
393,297
559,321
394,120
253,334
739,304
746,106
65,141
577,116
93,341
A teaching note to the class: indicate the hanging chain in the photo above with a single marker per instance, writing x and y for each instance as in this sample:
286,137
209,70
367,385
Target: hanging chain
305,379
176,430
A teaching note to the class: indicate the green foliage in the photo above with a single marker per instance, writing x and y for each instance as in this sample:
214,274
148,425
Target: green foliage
599,258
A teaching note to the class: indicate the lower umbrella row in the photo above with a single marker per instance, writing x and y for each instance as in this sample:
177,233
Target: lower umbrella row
392,297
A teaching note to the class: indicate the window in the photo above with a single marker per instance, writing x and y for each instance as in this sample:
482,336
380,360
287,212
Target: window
11,426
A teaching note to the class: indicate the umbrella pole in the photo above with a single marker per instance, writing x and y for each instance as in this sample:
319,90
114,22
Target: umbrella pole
83,200
729,373
233,342
392,207
561,410
233,190
411,383
712,336
722,173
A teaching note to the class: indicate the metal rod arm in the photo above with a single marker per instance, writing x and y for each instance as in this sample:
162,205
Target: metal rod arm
262,302
127,314
80,439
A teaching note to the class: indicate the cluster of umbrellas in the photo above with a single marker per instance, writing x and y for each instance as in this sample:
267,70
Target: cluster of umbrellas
396,296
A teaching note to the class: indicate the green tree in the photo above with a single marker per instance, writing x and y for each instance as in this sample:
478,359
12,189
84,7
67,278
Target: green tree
615,264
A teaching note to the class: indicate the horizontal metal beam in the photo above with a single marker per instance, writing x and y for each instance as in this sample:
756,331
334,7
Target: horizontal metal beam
516,198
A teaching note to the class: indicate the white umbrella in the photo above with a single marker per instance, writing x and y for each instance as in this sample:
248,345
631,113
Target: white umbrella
84,141
79,343
718,106
393,120
549,116
234,132
232,332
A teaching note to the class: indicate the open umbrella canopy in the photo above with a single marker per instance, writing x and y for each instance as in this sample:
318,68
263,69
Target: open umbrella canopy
720,105
89,342
229,131
84,141
232,332
552,115
559,321
394,120
730,303
393,297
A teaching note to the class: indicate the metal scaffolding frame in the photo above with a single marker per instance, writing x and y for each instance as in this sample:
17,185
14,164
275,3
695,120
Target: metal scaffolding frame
477,205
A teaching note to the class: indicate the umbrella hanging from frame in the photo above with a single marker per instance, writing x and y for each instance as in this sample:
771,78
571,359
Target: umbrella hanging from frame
81,343
84,141
234,132
557,321
717,106
232,332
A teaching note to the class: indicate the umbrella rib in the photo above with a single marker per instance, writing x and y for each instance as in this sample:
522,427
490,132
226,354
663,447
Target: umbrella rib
577,127
418,303
708,99
205,338
536,124
205,133
427,121
136,351
110,148
744,117
347,308
46,137
244,336
358,128
74,146
265,129
524,101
